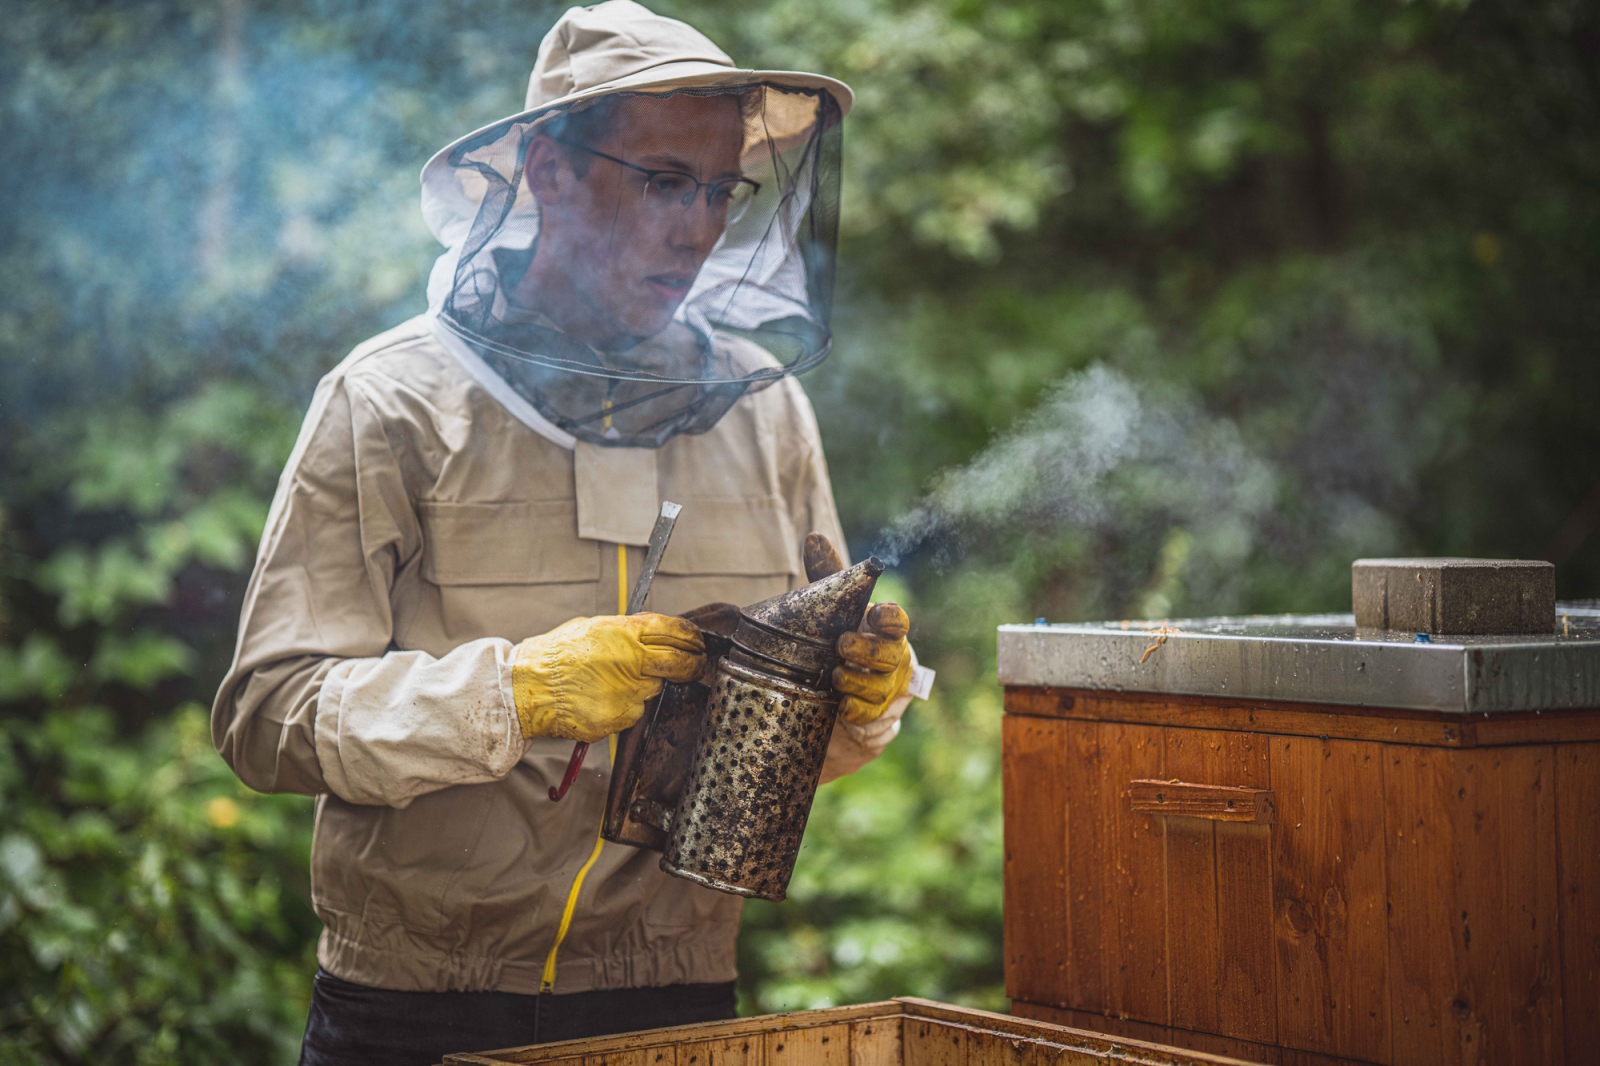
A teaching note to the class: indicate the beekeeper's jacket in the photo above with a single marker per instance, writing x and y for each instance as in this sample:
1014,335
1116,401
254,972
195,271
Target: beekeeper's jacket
418,533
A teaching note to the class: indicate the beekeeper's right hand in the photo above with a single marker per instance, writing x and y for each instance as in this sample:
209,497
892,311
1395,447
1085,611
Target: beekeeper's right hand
590,677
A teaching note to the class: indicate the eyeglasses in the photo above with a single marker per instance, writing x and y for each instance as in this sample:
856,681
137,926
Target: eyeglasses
666,190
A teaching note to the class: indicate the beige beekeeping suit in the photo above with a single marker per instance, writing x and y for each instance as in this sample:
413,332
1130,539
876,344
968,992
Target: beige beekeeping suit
419,532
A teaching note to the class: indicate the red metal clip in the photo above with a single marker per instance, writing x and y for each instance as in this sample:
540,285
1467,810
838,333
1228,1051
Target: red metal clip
574,764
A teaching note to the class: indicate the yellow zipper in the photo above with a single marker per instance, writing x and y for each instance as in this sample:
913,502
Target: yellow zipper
547,982
622,579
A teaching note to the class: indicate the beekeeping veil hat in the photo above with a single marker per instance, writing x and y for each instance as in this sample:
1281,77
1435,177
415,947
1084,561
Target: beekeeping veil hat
649,239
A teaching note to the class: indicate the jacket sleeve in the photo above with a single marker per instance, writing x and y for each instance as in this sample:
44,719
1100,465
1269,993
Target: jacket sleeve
316,699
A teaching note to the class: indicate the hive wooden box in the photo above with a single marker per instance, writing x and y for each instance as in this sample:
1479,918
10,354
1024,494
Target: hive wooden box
1418,902
900,1032
1329,883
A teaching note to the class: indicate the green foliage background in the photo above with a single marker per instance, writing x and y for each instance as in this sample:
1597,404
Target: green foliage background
1353,245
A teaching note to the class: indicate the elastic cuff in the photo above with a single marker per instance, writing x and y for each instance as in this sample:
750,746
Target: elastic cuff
526,689
326,732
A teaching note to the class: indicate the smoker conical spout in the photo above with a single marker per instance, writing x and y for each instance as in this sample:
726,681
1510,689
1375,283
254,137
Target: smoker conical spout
796,632
823,609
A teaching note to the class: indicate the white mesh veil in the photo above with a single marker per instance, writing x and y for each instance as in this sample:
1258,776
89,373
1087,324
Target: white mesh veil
632,264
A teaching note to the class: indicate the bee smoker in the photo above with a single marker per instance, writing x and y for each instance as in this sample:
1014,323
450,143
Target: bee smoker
730,815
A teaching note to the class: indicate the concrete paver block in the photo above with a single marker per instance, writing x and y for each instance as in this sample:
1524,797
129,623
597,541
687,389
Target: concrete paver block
1468,596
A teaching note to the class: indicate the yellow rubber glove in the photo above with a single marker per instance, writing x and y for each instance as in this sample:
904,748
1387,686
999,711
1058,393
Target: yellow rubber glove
590,677
877,664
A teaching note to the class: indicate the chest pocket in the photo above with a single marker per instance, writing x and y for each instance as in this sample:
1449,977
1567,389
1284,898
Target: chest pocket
728,549
503,570
517,543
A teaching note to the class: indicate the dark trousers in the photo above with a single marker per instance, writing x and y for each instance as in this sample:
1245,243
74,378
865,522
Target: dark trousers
353,1025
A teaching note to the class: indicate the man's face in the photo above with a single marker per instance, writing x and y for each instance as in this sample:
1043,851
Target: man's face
633,257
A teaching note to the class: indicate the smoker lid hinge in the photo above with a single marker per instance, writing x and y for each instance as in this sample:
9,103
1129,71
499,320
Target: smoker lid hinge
651,813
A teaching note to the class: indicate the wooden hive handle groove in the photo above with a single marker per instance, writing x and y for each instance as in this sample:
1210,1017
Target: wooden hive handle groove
1185,799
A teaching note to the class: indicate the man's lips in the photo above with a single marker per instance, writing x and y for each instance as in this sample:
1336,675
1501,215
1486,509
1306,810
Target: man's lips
673,286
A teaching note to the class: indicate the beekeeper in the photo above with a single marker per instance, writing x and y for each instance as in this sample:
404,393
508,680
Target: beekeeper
638,264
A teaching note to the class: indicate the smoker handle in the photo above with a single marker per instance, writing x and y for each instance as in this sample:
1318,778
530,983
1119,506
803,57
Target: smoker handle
1218,803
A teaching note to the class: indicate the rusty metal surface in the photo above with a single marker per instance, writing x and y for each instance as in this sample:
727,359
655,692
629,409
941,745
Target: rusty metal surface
819,612
654,754
652,766
797,658
738,825
1316,659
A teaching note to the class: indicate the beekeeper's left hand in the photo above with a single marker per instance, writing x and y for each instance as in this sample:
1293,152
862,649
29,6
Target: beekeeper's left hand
877,664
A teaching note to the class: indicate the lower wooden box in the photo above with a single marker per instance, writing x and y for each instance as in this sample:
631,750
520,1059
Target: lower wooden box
900,1032
1395,888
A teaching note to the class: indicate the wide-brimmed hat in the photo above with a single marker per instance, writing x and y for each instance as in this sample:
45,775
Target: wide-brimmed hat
621,46
758,306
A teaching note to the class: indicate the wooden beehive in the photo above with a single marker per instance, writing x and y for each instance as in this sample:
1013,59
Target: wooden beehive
1277,839
900,1032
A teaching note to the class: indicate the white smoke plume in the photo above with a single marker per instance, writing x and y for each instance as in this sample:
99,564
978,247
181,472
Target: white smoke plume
1105,456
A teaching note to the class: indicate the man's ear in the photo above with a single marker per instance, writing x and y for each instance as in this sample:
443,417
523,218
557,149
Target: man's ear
547,171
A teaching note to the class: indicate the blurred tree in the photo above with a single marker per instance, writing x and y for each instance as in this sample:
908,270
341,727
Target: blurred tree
1334,266
1362,230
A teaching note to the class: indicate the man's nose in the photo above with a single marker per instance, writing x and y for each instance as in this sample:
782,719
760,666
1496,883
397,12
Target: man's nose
699,227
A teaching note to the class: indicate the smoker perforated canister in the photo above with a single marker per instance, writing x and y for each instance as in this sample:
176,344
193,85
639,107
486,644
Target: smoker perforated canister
768,720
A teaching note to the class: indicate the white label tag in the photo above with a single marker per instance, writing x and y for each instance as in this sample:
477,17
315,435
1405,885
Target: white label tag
921,681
